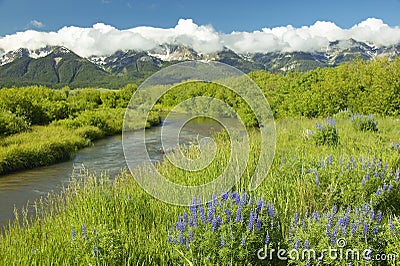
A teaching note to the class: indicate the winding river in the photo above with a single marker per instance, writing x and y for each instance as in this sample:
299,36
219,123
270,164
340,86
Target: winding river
22,188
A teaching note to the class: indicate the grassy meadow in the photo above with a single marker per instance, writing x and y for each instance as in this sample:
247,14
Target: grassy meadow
97,222
333,185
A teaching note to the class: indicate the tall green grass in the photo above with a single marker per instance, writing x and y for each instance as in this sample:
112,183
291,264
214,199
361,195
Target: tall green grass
45,145
96,221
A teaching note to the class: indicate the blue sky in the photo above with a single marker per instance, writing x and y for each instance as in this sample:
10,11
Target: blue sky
225,16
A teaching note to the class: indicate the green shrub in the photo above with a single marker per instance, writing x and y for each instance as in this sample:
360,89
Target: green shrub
326,134
11,123
364,122
343,114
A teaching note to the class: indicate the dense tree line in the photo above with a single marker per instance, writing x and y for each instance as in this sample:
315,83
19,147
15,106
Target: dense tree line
366,87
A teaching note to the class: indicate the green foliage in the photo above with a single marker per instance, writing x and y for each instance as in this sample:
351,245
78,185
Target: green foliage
42,146
76,118
326,134
364,122
11,124
185,94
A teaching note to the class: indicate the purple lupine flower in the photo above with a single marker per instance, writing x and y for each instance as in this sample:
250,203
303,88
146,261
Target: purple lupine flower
228,215
328,230
202,215
191,235
211,211
191,222
376,230
83,230
222,241
365,231
267,239
322,164
193,211
244,198
318,126
95,251
367,176
296,218
251,221
372,214
365,208
175,240
379,219
306,245
185,217
384,187
271,210
180,225
373,162
353,229
258,222
378,192
260,205
214,224
342,221
397,175
237,198
390,187
169,238
73,234
224,196
334,210
315,216
363,182
297,244
379,164
182,239
219,220
243,242
332,121
238,215
316,178
334,235
330,159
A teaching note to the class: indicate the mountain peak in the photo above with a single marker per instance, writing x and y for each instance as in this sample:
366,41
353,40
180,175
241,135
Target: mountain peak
66,67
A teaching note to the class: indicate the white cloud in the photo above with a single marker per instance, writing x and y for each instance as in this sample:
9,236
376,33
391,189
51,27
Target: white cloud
102,39
37,24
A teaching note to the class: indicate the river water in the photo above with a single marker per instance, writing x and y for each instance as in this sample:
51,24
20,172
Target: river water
22,188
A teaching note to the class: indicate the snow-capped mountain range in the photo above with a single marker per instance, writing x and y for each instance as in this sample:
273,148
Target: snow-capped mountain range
50,64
